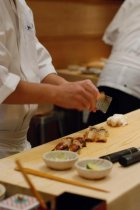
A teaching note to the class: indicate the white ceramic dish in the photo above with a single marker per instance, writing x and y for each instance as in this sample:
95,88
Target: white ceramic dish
93,168
2,192
60,160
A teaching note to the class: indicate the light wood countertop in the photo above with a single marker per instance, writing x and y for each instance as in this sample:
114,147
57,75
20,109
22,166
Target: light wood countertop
123,183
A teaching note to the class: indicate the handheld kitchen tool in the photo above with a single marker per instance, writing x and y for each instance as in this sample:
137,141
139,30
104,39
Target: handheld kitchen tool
103,102
115,156
61,179
130,159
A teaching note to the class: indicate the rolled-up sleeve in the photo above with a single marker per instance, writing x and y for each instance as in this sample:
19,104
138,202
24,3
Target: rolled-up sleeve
8,80
44,61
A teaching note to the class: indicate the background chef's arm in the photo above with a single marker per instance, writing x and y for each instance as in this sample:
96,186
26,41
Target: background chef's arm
112,30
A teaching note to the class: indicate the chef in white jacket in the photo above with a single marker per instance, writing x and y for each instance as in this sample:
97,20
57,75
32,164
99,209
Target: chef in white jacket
27,78
120,77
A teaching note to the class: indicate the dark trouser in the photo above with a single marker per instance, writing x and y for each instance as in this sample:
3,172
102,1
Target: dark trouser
122,103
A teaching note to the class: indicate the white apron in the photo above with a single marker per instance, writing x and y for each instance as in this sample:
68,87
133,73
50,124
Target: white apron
22,57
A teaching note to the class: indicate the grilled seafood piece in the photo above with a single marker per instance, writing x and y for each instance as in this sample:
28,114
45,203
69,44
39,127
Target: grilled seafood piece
94,134
64,145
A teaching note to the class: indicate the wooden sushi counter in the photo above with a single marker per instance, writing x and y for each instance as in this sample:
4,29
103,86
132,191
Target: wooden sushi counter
123,183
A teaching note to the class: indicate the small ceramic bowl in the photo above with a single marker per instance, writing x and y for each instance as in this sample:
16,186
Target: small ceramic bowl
93,168
2,192
60,160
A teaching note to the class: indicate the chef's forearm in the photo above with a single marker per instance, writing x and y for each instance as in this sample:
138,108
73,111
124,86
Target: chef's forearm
54,79
31,93
73,95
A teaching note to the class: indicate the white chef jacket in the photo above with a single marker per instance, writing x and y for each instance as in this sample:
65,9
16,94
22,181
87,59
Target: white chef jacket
122,70
22,57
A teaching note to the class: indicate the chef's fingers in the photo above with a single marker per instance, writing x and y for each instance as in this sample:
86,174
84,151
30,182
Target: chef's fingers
92,94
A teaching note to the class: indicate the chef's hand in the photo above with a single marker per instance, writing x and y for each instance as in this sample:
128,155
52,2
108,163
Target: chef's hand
79,95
